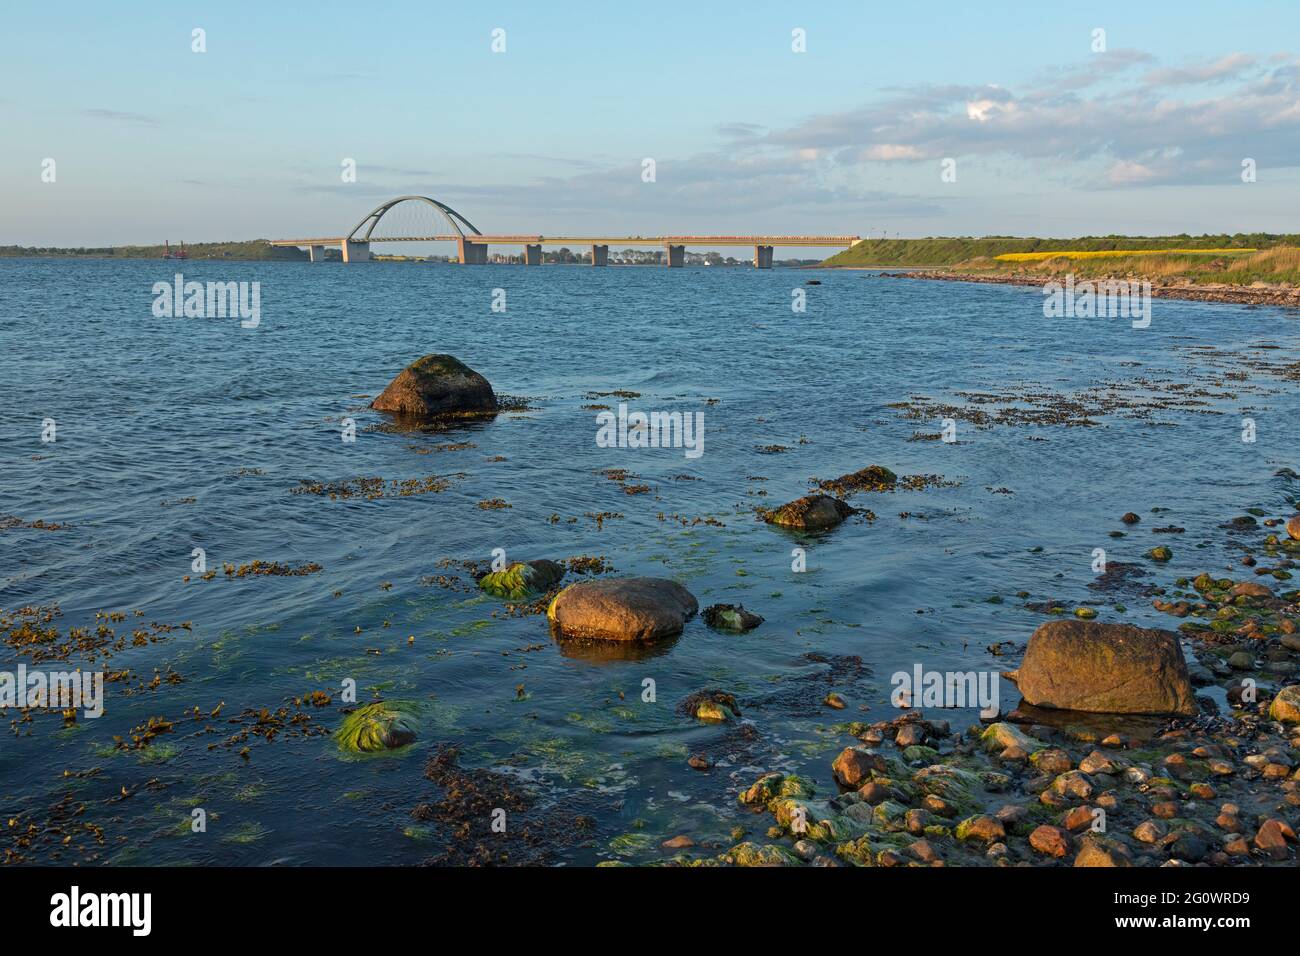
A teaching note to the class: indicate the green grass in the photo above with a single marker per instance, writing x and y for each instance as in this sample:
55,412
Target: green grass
940,251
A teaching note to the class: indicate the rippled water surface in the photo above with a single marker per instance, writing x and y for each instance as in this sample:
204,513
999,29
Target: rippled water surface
152,413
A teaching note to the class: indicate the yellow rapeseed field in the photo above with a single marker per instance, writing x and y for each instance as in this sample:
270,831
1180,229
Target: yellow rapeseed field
1111,253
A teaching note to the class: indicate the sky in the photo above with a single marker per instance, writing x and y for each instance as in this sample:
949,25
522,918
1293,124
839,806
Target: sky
1043,125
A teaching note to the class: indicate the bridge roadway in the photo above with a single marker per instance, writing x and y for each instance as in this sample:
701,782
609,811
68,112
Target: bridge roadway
472,249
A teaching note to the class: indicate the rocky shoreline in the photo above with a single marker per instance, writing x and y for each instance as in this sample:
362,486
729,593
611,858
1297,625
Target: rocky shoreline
1203,785
1160,288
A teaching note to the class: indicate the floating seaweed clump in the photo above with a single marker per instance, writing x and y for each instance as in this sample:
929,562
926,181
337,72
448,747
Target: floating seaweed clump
871,478
30,631
472,802
375,488
13,521
270,568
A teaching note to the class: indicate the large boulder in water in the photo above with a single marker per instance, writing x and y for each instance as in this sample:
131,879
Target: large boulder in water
437,385
1105,668
622,609
810,513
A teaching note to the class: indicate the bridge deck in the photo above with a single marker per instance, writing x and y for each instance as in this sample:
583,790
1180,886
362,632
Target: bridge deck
515,240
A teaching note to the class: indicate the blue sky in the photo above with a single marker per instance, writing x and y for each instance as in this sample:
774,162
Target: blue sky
154,141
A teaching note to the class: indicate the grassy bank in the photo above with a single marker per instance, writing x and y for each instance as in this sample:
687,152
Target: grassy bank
954,251
1279,264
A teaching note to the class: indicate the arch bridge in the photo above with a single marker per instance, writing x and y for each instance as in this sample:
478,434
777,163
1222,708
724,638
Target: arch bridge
472,245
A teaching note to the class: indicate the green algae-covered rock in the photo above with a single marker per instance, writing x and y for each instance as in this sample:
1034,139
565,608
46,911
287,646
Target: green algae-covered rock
889,815
523,579
385,725
857,852
712,711
751,854
1286,705
982,827
713,706
731,617
950,783
1001,735
770,786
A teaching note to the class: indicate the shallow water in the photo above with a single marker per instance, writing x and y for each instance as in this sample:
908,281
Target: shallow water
155,410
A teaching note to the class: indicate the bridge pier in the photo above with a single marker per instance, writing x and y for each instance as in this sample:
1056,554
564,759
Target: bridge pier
472,253
762,257
356,251
533,254
599,255
676,255
316,253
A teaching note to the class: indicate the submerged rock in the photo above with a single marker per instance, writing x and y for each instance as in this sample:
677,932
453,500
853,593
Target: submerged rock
437,385
1250,589
622,609
1105,668
712,706
523,579
810,513
385,725
731,617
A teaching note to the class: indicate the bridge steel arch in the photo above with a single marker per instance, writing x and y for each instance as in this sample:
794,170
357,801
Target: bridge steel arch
454,219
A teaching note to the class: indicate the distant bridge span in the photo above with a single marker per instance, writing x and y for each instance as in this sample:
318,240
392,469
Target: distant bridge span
472,245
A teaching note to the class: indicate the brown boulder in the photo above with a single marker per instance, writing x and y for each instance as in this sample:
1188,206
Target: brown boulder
1271,838
1293,527
622,609
437,385
1050,840
855,764
1250,589
1105,668
1101,851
